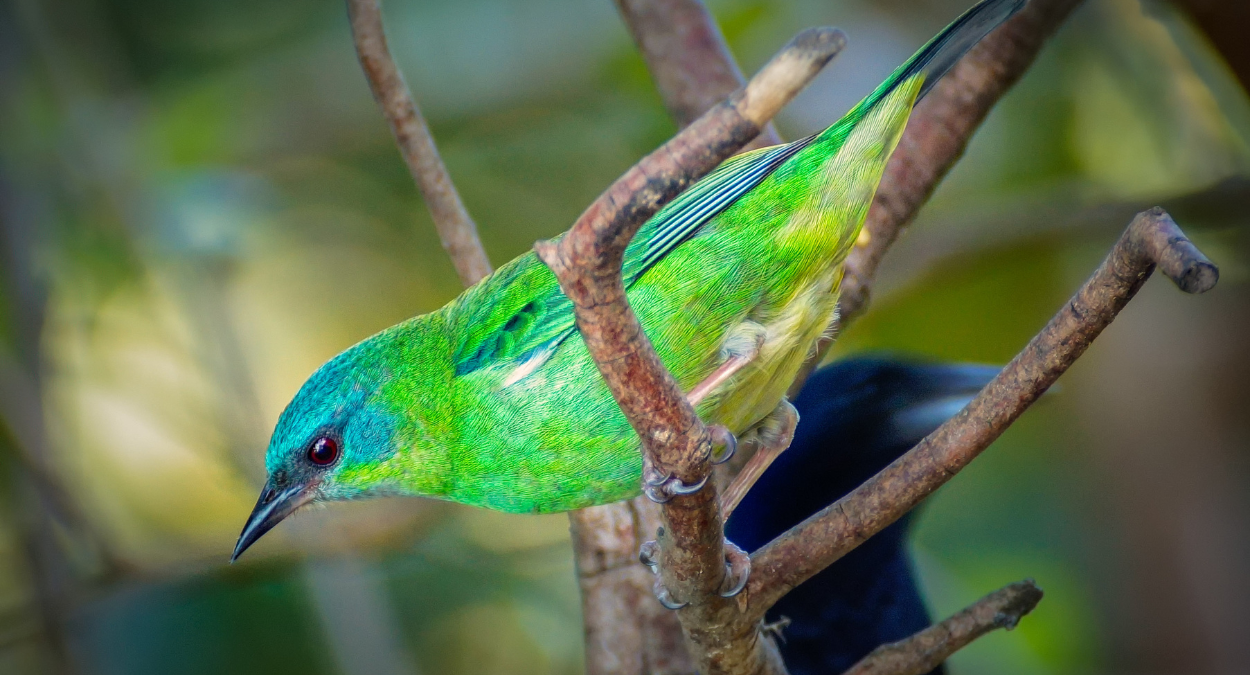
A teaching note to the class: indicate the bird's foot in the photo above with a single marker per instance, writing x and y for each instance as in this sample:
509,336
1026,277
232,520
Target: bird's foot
772,437
648,554
661,486
665,598
737,571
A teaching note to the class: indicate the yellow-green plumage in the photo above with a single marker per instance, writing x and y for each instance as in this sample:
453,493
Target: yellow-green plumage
493,400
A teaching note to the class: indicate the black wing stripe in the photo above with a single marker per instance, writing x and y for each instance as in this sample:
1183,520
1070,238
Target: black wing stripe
707,200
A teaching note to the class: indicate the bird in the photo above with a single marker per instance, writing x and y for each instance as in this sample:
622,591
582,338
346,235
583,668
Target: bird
494,401
858,415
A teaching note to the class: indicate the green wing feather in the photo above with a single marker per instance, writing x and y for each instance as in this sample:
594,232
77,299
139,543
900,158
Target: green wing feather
519,315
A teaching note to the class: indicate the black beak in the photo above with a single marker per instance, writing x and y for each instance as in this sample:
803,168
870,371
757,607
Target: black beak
274,505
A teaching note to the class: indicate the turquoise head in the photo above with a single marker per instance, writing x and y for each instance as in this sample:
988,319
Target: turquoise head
329,442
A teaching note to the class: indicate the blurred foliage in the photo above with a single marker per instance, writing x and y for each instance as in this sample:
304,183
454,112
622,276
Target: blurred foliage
215,207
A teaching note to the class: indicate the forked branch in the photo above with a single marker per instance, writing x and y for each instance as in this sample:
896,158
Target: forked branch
587,262
927,649
1151,240
455,227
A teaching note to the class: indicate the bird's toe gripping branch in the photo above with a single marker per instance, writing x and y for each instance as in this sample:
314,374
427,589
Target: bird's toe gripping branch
737,572
741,349
660,486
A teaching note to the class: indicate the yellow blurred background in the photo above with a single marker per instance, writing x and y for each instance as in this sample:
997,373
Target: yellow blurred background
200,204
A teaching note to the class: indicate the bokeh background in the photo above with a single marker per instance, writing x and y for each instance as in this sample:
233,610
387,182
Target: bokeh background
200,203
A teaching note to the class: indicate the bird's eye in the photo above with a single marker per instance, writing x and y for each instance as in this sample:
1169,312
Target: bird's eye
323,451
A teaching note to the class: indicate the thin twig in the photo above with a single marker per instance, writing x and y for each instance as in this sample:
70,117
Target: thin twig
687,57
927,649
587,262
937,134
1151,239
455,227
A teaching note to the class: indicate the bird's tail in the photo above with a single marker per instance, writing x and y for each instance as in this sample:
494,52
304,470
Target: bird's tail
937,57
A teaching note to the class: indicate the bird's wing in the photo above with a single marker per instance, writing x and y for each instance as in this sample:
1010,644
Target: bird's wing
682,217
511,315
518,315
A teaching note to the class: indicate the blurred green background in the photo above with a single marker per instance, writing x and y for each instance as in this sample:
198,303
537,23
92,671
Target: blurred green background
200,203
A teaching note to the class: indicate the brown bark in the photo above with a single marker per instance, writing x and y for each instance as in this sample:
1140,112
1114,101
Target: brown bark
627,631
1151,239
587,262
455,227
687,57
927,649
937,134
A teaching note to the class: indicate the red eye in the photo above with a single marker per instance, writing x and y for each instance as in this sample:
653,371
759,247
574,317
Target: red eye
323,451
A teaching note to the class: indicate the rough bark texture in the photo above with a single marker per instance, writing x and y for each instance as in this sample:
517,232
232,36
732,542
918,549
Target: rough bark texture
1151,239
927,649
455,227
687,57
587,262
627,631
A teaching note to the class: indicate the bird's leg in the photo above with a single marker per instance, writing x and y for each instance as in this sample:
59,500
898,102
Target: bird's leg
647,555
773,436
742,346
724,439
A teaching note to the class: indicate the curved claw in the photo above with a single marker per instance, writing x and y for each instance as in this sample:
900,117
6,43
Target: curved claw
723,438
677,487
737,570
646,554
652,476
657,493
661,594
737,587
663,491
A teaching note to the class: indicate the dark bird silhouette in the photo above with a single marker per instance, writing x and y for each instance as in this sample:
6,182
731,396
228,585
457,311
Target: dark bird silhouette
857,416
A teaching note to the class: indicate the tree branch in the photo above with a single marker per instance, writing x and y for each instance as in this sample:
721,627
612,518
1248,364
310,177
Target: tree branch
937,134
627,631
455,227
587,262
927,649
1151,239
687,57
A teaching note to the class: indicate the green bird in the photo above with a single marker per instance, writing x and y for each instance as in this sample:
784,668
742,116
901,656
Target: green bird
493,399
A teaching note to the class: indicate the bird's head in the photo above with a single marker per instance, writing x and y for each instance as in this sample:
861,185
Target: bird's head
332,442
